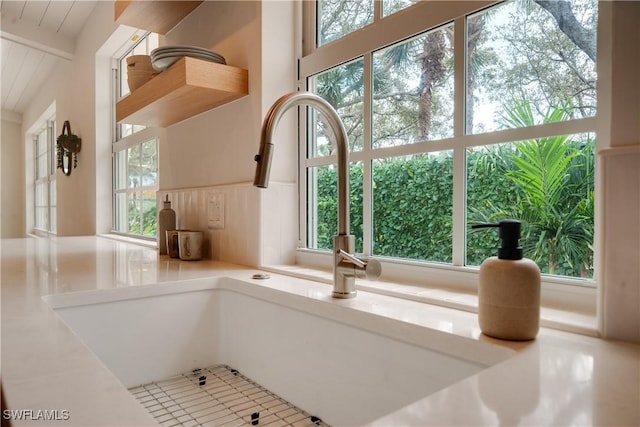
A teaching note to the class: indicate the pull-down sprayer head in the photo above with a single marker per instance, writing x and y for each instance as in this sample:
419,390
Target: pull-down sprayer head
263,167
264,157
346,266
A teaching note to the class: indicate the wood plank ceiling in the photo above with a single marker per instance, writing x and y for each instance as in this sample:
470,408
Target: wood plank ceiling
36,36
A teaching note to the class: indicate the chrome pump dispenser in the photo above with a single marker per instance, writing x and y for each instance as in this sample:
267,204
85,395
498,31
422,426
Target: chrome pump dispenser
509,288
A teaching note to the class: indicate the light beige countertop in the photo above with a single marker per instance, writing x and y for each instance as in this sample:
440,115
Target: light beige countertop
558,379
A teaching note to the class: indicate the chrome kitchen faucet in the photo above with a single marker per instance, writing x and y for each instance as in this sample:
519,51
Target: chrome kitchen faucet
346,266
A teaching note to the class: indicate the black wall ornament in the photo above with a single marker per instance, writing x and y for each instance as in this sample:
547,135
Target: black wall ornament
68,146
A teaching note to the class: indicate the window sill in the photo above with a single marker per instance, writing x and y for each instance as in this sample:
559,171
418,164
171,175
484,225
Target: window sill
573,321
38,233
129,239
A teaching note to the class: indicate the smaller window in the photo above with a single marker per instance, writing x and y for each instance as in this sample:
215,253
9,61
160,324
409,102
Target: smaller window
392,6
337,18
518,51
343,88
45,179
412,207
135,159
322,214
413,90
547,182
135,185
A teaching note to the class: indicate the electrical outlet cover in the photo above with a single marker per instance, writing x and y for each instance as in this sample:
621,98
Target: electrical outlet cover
215,211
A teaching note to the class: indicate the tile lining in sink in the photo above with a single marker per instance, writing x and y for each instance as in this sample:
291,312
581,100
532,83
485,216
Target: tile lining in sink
225,398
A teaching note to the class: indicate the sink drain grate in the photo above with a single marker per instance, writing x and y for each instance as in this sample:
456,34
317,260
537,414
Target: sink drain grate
218,396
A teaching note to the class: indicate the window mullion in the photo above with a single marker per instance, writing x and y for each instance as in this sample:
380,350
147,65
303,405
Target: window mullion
459,157
377,10
459,206
51,177
367,175
303,178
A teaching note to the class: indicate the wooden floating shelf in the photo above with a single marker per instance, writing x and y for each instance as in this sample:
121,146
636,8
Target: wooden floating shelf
189,87
156,16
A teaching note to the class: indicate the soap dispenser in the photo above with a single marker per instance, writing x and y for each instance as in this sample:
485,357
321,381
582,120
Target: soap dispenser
166,221
509,289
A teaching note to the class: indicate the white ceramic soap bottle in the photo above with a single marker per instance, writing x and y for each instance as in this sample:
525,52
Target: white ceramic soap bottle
509,289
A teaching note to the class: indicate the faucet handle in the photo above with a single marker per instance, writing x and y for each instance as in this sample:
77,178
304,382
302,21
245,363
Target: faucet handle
369,268
352,258
372,270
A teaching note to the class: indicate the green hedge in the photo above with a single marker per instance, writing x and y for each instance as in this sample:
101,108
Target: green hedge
413,198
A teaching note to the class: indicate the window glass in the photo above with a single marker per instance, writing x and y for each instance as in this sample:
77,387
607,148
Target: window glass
120,169
52,205
142,165
142,213
393,6
121,214
413,90
149,163
127,129
412,207
323,205
40,211
337,18
343,88
135,181
144,47
518,52
548,183
133,166
42,154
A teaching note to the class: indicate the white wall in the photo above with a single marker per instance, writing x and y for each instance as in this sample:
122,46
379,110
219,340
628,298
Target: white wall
216,148
12,204
619,170
72,87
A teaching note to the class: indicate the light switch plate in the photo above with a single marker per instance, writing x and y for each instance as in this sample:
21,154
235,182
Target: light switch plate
215,211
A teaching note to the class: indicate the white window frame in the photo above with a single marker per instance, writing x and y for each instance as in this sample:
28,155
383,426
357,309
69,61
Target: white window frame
138,138
576,293
139,135
47,181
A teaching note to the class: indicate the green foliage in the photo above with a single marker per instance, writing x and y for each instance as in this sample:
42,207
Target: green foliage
412,207
145,226
515,50
327,211
553,179
488,190
547,183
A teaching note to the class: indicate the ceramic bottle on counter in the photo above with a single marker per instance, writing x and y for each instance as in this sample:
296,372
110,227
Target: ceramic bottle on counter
166,221
509,289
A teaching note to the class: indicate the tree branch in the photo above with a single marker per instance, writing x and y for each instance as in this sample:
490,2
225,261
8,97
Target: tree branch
561,11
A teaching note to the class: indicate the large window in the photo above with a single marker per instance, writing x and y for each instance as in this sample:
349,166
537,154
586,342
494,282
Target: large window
135,157
45,178
459,117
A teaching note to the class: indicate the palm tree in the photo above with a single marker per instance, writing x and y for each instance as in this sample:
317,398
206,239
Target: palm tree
557,193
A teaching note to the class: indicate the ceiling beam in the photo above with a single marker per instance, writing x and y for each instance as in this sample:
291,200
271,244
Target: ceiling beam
11,116
37,38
